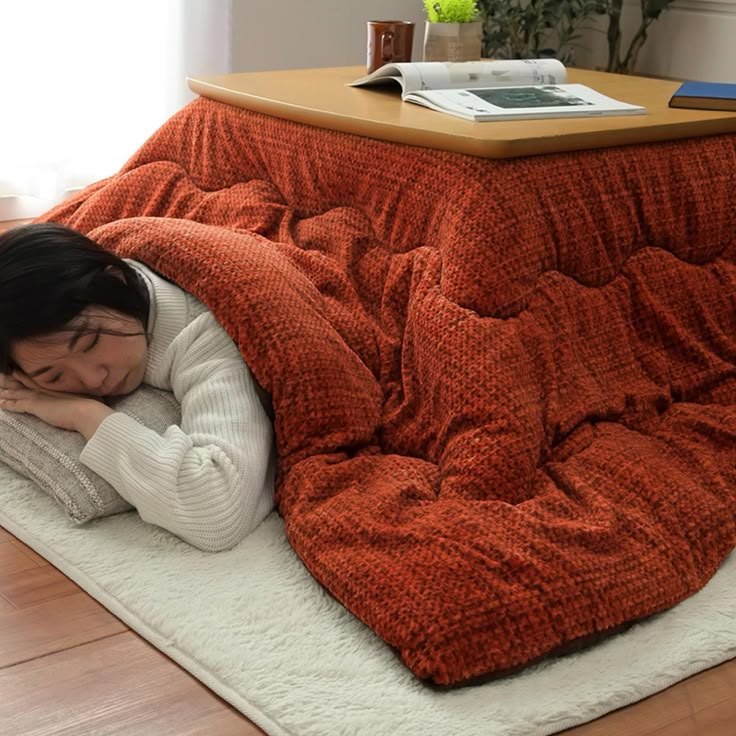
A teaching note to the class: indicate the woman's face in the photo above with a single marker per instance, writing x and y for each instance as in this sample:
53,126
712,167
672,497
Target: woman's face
84,358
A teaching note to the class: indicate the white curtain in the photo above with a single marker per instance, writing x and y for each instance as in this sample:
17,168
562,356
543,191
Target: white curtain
83,83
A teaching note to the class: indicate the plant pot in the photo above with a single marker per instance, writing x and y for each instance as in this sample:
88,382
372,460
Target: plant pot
452,41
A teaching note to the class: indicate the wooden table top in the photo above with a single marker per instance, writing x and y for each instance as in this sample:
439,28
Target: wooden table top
322,98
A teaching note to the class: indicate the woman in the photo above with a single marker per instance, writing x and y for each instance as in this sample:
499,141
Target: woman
78,324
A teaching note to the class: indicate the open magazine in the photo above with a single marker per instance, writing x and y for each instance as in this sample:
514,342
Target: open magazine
497,90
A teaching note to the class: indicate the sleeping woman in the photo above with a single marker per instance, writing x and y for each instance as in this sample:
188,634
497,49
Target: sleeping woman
78,325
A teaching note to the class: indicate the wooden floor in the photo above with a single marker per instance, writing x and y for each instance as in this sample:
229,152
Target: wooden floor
67,666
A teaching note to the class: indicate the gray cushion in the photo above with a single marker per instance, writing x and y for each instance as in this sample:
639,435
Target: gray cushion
50,456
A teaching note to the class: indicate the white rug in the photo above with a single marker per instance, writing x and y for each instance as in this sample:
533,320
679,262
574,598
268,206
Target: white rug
253,626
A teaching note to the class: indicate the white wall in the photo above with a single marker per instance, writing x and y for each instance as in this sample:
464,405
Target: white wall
692,39
300,34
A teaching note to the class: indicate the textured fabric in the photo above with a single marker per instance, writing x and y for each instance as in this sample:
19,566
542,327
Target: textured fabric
208,477
52,457
503,390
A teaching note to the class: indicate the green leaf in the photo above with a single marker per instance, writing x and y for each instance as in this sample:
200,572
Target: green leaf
451,11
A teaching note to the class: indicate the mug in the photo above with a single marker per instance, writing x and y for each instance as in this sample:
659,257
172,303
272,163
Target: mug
388,40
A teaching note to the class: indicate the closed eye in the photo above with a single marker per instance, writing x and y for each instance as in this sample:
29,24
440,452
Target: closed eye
55,378
94,342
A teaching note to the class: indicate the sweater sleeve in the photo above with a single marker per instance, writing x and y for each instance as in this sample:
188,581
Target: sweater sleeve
209,481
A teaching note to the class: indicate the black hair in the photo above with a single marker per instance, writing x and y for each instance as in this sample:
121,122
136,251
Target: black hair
49,274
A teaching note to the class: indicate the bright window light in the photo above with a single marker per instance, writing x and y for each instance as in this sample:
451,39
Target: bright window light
84,83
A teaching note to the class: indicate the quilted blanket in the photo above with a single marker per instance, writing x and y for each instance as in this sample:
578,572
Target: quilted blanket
504,391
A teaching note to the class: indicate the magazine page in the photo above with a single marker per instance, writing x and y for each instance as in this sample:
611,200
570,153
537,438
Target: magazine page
523,103
414,76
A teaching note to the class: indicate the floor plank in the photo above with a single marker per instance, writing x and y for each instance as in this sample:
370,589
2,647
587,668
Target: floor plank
13,559
53,626
678,709
119,685
716,721
29,587
28,552
9,224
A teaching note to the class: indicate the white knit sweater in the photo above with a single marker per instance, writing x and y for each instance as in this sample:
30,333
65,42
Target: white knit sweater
211,480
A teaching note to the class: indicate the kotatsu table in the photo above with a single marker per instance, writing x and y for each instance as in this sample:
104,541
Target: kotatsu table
321,97
531,226
543,256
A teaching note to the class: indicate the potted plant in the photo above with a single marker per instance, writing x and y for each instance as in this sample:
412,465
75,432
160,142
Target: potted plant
524,29
530,29
453,31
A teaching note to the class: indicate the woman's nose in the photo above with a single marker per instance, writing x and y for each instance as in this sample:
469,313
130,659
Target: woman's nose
92,376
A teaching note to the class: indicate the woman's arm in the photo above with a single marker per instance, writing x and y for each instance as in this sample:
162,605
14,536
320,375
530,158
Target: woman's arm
209,481
76,413
21,394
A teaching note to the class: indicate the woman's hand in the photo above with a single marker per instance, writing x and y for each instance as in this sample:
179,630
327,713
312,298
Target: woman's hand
19,380
81,414
8,381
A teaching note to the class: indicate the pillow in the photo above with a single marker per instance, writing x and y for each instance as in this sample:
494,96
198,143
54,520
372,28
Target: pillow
50,456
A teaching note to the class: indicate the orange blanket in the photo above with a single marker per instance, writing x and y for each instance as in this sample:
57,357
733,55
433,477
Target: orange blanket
504,391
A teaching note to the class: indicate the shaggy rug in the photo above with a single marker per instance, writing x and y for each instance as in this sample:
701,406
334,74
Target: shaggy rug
255,627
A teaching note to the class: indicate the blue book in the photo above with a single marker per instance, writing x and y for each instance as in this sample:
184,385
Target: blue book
705,96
